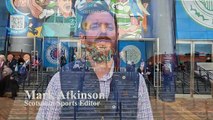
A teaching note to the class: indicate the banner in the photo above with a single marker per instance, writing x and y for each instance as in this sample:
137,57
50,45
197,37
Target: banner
132,52
52,53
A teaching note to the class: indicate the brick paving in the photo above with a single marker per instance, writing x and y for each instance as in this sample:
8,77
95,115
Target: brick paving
5,107
181,109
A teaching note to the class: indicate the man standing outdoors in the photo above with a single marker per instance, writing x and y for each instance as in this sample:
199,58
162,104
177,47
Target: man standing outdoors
11,62
98,36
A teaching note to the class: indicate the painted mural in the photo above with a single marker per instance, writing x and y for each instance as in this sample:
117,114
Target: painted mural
194,19
131,17
200,10
62,18
29,17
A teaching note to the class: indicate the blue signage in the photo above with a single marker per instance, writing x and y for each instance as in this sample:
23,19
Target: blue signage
132,52
194,20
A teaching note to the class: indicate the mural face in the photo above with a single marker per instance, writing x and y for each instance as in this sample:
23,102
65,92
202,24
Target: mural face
20,3
131,17
65,7
37,8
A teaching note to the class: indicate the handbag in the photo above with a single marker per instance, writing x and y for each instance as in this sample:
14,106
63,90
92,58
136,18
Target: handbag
6,71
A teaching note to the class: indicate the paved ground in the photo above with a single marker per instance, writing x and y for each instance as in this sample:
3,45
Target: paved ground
5,107
181,109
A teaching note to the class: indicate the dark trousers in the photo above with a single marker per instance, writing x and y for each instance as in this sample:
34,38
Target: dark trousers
167,82
14,87
8,84
2,87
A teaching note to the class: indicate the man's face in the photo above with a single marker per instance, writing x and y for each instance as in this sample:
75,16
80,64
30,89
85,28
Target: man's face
100,32
26,57
10,57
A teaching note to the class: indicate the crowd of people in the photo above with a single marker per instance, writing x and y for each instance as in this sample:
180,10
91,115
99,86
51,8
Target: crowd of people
13,71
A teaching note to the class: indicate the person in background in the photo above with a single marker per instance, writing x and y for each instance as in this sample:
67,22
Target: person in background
24,68
7,81
150,71
10,83
2,63
167,74
63,60
11,62
208,59
20,60
2,84
128,66
182,67
133,67
26,58
140,70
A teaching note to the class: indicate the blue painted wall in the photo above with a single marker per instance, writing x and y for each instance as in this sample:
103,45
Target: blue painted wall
3,19
187,28
3,23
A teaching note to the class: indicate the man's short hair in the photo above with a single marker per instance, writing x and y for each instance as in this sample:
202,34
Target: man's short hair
10,55
99,6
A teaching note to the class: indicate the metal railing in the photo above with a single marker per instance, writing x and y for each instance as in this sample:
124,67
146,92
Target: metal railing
184,82
150,85
42,85
204,76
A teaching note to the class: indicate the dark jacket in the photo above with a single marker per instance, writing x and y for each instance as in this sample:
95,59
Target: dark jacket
12,64
87,82
1,70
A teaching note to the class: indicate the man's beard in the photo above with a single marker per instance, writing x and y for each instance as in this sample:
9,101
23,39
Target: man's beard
100,56
101,50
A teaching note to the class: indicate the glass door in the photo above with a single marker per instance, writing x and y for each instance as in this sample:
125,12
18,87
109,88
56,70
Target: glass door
191,77
70,50
202,56
182,77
